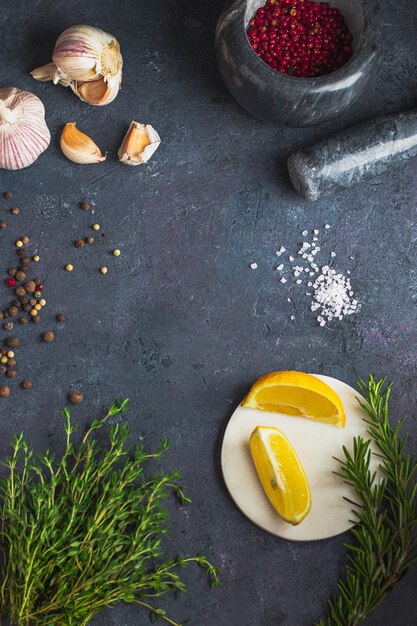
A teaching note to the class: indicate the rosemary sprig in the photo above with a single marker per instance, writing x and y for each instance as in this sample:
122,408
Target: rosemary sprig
84,532
385,513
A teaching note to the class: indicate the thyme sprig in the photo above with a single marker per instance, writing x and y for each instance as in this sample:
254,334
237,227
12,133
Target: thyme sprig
84,532
384,514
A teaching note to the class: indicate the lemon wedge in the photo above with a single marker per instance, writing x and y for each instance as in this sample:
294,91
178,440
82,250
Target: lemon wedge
297,393
281,473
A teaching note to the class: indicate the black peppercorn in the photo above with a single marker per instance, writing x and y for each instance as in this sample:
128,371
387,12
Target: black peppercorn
11,373
90,239
12,342
2,370
48,336
8,325
36,319
60,317
79,243
13,311
3,224
75,397
21,253
15,210
12,271
23,320
4,391
8,195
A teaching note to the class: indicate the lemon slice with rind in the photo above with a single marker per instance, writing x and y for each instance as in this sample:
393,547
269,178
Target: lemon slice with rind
298,394
281,474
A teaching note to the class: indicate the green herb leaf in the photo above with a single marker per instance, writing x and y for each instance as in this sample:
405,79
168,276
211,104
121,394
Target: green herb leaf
85,532
385,513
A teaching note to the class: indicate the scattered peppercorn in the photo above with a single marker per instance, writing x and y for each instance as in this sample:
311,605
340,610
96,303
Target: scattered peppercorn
15,210
79,243
8,195
12,342
4,391
60,317
33,312
30,286
75,397
69,267
13,311
8,326
39,286
2,370
96,227
90,239
23,320
37,294
12,271
3,224
21,254
48,336
11,362
26,384
20,292
42,301
25,240
116,252
20,275
86,206
19,243
36,319
11,373
3,359
103,270
11,282
36,258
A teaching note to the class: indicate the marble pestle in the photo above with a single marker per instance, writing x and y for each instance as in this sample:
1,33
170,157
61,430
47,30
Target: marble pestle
354,155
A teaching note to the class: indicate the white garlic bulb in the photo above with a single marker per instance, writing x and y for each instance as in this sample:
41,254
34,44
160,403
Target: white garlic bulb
89,61
24,134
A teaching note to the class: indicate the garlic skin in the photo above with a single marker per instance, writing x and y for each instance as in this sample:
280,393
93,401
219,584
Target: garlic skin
139,144
88,60
79,147
24,134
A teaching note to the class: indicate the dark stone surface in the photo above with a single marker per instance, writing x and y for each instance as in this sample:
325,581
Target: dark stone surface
180,324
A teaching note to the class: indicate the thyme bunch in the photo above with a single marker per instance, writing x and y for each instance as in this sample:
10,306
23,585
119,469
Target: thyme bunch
84,531
384,514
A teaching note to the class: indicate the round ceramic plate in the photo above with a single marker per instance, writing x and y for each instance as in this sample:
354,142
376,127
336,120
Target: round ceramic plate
316,444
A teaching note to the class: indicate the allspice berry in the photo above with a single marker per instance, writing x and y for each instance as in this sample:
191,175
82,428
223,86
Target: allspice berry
20,275
15,210
86,206
60,317
4,391
30,286
11,373
12,342
20,291
13,311
48,336
75,397
26,384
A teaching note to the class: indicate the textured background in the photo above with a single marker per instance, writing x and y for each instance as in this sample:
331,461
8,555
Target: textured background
180,324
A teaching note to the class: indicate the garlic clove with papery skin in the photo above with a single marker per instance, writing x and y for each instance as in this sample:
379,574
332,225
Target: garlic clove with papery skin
79,147
97,92
139,144
85,54
24,134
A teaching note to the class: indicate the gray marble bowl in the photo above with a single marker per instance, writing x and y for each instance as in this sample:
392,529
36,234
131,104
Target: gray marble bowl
274,97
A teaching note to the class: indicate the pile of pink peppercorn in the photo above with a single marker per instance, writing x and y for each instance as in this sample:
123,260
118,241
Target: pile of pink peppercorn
300,38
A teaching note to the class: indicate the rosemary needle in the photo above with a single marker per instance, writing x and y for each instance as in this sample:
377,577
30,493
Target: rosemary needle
84,532
385,540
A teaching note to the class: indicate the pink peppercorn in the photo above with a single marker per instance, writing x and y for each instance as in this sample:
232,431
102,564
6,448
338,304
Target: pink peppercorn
11,282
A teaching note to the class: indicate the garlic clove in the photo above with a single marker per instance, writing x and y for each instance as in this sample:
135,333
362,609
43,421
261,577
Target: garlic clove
97,92
49,72
79,147
24,134
139,144
85,54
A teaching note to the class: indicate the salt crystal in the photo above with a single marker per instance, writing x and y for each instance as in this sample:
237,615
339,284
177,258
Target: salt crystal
254,266
327,226
304,233
280,267
332,254
299,281
288,299
316,231
293,317
291,258
280,251
283,280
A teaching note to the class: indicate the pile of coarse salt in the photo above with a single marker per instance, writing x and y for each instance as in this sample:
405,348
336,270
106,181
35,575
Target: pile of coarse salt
330,291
